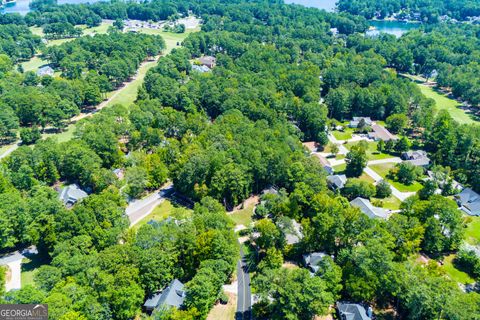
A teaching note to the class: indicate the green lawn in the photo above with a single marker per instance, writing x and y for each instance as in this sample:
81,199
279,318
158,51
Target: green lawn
33,64
160,213
340,168
29,268
367,178
383,170
372,153
445,103
65,135
390,203
454,273
101,29
343,135
172,40
243,216
472,232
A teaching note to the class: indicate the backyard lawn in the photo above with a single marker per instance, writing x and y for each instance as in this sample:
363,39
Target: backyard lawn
445,103
454,273
343,135
372,152
340,168
383,170
390,203
224,311
243,216
472,232
33,64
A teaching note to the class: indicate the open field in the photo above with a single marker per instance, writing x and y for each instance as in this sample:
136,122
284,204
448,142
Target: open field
172,40
383,170
445,103
372,152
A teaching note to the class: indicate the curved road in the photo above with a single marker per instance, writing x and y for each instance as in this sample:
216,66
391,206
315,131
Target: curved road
244,300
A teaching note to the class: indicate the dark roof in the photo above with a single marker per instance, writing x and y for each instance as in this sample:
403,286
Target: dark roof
352,311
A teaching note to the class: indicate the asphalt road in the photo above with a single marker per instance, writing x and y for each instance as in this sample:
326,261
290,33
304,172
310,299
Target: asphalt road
244,299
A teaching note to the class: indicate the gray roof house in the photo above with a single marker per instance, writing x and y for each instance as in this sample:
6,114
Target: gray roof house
416,157
353,311
381,133
356,121
45,71
312,260
72,194
292,230
337,181
200,68
469,202
171,296
366,207
208,61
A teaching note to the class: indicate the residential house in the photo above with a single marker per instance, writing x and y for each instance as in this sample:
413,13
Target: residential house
325,164
469,202
312,260
353,311
416,157
442,180
356,121
72,194
292,230
337,181
381,133
366,207
200,68
171,297
208,61
45,71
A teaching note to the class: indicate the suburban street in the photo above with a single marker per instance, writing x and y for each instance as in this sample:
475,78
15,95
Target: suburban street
140,208
244,299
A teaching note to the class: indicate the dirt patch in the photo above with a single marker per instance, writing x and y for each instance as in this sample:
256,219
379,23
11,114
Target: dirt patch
224,311
289,265
312,146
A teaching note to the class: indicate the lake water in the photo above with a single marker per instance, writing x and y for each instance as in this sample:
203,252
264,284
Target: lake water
327,5
21,6
392,27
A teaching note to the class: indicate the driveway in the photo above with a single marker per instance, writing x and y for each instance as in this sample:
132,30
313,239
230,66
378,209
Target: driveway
244,302
140,208
14,263
395,192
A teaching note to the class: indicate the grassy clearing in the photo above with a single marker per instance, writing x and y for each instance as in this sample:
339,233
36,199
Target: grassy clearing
29,268
243,216
65,135
454,273
343,135
172,40
372,152
390,203
472,232
445,103
33,64
383,170
365,177
224,311
101,29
